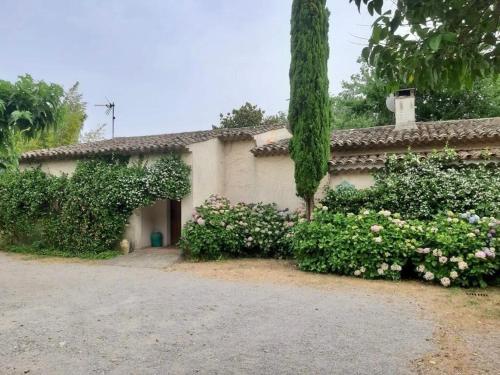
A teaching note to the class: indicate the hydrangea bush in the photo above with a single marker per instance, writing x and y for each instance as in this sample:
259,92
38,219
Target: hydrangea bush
458,250
449,249
220,229
370,244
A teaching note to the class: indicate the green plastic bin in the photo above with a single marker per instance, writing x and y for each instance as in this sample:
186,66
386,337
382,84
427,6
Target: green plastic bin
156,239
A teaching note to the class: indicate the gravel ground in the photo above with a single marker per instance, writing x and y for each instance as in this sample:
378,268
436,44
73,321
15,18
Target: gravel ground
77,318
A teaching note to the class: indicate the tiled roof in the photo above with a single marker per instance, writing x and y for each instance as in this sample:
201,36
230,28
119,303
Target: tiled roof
437,133
145,144
377,160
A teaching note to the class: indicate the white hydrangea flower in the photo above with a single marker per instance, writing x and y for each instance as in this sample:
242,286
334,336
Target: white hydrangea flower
384,266
463,265
380,271
421,268
443,259
424,250
377,239
396,267
437,252
453,274
362,269
429,276
445,281
357,273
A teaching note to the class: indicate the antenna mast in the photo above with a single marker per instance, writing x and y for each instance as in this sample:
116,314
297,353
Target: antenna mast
110,108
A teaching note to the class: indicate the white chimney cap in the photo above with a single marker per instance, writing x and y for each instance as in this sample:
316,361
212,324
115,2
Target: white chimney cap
405,109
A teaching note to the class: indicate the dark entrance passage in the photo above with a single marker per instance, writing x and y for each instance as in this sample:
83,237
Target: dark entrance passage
175,222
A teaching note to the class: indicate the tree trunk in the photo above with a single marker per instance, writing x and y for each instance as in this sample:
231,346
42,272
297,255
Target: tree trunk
309,207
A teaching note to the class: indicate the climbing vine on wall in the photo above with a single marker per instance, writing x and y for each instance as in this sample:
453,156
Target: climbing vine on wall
87,212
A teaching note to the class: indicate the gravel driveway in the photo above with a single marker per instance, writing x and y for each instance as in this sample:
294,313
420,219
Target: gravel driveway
77,318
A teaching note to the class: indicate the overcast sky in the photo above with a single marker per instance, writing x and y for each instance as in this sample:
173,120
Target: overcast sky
169,65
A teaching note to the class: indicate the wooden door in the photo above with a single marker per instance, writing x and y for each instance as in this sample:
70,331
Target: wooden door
175,222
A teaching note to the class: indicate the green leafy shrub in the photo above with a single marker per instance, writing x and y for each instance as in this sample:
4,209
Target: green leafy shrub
458,250
420,187
346,198
87,212
219,229
26,199
369,245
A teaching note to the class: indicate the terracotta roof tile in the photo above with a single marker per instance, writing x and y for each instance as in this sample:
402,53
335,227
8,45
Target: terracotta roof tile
376,160
144,144
436,133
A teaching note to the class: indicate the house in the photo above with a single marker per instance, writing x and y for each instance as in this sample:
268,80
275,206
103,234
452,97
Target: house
253,164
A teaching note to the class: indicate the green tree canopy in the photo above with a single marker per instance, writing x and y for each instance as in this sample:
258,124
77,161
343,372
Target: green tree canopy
27,107
361,103
67,129
431,44
309,110
249,115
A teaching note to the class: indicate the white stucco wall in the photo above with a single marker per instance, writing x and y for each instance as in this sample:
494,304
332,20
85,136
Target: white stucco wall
274,181
361,180
53,167
239,172
207,163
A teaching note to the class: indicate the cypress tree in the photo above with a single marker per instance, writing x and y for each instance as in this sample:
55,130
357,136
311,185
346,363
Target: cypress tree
309,111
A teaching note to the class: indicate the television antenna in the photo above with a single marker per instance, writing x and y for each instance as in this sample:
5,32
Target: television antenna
110,108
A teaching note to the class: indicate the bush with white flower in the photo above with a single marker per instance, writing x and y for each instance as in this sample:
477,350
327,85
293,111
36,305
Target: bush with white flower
219,229
85,213
421,187
458,250
370,244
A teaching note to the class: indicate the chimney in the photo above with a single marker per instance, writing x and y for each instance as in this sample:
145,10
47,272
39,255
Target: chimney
404,107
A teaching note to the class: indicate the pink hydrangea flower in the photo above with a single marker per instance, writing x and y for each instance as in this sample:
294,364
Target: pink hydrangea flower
480,254
376,228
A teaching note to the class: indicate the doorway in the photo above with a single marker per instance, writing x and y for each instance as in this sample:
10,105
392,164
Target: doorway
175,222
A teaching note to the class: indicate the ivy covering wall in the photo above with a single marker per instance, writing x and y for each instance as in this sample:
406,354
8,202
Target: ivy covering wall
87,212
